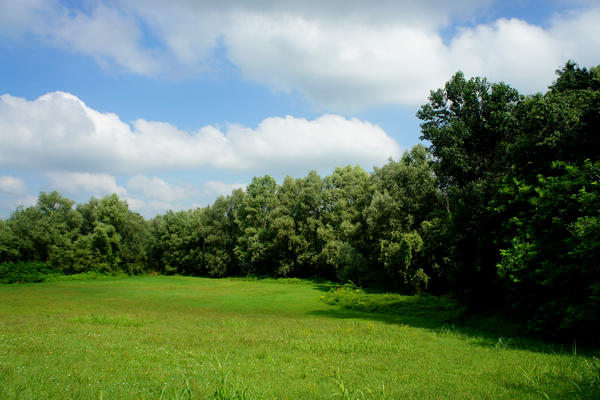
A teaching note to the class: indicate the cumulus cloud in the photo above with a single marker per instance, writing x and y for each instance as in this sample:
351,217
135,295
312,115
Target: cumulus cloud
59,132
13,193
342,55
147,195
76,182
215,189
342,66
11,185
106,34
158,189
526,55
152,195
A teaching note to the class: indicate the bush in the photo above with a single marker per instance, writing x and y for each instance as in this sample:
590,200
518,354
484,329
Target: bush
351,297
24,272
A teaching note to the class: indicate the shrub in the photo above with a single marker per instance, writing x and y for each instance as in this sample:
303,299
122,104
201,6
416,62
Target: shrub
24,272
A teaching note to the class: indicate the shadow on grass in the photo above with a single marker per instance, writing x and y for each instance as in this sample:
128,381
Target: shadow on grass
323,287
432,314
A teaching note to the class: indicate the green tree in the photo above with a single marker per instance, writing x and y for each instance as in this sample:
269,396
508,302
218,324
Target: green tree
255,248
550,267
9,250
110,237
220,233
470,124
177,242
405,196
573,77
46,232
343,231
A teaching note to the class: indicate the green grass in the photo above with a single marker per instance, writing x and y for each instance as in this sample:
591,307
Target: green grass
180,338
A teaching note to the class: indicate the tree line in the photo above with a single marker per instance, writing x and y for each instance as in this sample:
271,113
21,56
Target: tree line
500,207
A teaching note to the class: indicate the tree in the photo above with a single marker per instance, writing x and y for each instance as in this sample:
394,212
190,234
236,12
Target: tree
573,77
110,237
46,232
405,196
550,266
255,248
470,124
8,244
346,194
220,232
550,201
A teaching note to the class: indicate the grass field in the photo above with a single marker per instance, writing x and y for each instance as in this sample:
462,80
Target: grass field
178,337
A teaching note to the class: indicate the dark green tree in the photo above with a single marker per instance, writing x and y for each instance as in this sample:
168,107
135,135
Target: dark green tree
469,125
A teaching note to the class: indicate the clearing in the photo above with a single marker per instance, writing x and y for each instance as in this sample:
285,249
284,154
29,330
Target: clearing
151,337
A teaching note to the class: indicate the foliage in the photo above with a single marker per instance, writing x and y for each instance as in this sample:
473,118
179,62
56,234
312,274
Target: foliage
351,297
102,235
551,265
520,174
469,124
573,77
24,272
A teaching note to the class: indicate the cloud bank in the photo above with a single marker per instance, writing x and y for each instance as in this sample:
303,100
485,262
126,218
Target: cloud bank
342,55
146,195
83,151
58,131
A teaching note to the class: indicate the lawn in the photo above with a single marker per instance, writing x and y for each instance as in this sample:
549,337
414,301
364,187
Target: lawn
152,337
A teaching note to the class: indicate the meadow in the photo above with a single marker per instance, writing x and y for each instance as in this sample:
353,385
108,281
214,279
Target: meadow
171,337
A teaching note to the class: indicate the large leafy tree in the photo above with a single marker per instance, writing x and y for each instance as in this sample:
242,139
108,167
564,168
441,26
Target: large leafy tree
47,231
256,247
405,196
297,220
346,194
220,231
469,125
550,262
177,242
551,202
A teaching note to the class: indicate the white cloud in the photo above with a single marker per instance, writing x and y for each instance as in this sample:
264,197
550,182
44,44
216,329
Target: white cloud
215,189
151,196
18,17
341,55
8,203
147,195
337,65
59,132
150,208
360,64
12,185
526,55
106,34
77,182
158,189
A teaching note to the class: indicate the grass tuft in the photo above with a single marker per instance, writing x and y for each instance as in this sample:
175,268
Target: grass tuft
104,320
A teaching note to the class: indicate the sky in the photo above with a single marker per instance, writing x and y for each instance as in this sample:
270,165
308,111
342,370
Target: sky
171,104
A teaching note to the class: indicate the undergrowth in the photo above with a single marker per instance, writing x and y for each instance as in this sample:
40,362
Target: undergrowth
36,272
351,297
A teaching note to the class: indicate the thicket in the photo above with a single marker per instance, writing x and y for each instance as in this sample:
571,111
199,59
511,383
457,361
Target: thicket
500,208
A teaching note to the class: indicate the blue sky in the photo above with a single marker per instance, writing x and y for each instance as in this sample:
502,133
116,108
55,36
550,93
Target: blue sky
170,104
